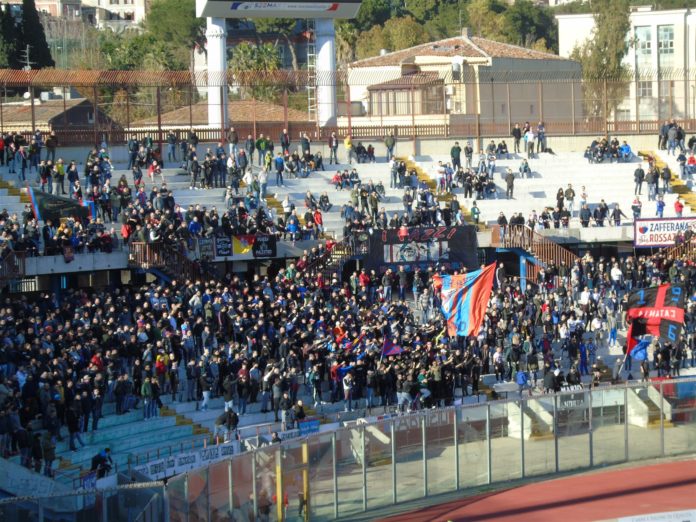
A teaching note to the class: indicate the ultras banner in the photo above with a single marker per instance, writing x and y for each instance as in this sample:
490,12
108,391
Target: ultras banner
449,247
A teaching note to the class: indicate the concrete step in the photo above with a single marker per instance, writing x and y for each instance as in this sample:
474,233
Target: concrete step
134,443
118,431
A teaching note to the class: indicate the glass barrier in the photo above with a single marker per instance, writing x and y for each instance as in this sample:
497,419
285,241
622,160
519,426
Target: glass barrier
364,467
472,448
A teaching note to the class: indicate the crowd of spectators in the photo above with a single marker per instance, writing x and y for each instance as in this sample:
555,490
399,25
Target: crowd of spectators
265,339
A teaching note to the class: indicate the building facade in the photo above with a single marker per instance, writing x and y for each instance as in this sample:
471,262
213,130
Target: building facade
462,78
118,15
661,56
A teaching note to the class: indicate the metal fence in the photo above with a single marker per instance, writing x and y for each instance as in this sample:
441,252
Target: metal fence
363,467
91,106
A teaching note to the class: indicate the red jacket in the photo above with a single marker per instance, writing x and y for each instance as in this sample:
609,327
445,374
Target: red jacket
364,279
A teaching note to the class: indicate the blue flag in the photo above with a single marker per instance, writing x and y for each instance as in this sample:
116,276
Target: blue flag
640,350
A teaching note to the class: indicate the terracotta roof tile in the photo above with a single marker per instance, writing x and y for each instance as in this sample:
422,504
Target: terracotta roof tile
20,114
473,47
238,111
407,81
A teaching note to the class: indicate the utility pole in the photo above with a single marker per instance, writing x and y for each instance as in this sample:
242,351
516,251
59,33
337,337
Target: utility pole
26,58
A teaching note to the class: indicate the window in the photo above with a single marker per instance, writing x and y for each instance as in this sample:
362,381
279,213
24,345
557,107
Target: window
665,39
645,90
643,36
113,2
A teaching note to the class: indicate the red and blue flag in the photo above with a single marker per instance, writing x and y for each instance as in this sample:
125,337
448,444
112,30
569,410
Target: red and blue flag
390,348
465,299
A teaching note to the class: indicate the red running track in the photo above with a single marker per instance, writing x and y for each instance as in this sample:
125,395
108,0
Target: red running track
588,497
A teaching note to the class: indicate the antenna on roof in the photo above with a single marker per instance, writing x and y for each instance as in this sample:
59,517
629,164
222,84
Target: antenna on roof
25,58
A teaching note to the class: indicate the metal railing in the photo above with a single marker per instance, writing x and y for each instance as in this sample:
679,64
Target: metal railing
12,266
525,238
162,256
168,450
381,463
686,249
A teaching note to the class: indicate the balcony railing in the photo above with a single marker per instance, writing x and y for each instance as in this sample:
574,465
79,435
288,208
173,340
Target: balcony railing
12,266
164,257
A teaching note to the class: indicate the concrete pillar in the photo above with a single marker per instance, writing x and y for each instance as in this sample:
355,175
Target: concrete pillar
216,35
326,71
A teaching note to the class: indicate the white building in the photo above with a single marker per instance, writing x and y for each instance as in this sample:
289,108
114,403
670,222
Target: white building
663,52
118,15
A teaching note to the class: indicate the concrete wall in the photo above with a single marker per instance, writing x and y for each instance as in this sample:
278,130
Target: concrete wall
81,263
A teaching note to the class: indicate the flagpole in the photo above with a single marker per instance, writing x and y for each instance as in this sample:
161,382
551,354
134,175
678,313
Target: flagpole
618,375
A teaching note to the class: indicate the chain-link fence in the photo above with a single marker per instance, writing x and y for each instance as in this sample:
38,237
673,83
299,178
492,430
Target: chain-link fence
88,107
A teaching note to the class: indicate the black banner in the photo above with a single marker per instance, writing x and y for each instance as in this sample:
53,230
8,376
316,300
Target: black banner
206,249
223,246
47,206
448,247
658,311
264,246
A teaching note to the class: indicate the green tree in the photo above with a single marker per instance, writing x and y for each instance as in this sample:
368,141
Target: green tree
450,18
405,32
283,28
486,20
397,34
9,38
372,42
373,12
34,36
602,55
527,23
249,62
173,24
346,38
422,10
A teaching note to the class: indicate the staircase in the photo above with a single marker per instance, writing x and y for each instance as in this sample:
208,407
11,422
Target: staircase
687,249
432,185
679,186
162,257
542,249
334,259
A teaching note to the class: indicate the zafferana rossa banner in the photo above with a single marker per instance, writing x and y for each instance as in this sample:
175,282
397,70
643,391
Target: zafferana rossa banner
660,232
448,247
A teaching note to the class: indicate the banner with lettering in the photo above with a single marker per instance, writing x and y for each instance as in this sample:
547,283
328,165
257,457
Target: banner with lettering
449,247
169,466
656,232
264,245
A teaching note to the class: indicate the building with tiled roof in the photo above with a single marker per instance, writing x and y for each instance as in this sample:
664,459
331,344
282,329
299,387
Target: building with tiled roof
240,112
53,114
463,76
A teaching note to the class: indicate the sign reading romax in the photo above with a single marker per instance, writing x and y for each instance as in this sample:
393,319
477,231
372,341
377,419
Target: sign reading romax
660,232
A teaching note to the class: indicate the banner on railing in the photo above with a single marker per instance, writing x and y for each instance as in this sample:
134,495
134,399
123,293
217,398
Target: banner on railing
244,246
223,246
450,247
206,248
264,246
659,232
182,462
